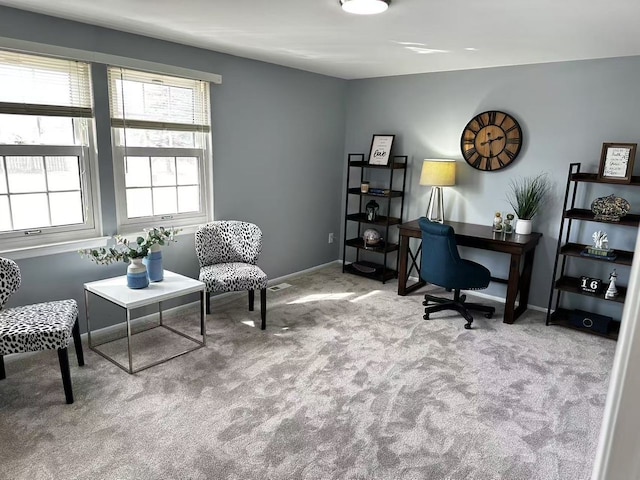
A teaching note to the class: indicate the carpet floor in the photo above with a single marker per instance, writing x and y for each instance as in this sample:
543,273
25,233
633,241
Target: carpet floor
347,382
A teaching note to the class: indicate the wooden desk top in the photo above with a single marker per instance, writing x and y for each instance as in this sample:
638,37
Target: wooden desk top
480,236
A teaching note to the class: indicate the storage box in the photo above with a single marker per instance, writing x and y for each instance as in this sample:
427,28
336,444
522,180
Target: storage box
591,321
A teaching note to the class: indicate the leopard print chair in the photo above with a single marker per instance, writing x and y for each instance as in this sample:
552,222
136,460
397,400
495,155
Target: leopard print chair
228,252
41,326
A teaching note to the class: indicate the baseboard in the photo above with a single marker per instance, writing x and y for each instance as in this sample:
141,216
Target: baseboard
220,299
223,298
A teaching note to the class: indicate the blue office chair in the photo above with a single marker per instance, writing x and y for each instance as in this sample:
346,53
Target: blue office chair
442,266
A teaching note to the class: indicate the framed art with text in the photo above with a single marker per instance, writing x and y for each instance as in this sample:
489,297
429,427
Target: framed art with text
381,150
616,162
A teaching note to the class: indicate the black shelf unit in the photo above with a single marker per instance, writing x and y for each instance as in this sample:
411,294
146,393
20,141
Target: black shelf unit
397,168
562,282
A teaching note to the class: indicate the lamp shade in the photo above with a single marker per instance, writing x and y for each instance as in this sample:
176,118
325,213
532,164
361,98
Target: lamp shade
438,173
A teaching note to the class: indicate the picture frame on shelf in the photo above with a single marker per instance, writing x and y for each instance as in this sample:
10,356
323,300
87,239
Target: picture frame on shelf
616,162
380,152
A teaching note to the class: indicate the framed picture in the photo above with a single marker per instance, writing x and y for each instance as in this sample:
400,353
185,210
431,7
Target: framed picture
381,150
616,162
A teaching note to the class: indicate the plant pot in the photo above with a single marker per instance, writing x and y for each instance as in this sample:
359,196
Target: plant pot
137,274
523,227
153,262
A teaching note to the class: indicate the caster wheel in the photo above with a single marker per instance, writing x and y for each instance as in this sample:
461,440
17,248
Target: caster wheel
488,315
425,316
467,326
463,298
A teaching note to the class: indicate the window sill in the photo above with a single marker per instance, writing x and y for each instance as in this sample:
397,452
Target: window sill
53,248
75,245
186,230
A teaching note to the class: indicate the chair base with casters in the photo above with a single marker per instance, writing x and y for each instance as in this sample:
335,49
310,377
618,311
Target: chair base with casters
458,304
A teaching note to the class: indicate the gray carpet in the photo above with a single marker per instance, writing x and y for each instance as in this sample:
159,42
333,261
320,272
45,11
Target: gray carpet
347,382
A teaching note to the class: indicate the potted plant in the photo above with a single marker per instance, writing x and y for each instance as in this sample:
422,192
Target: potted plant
134,252
526,197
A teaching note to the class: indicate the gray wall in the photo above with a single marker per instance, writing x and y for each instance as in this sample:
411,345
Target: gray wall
566,110
278,141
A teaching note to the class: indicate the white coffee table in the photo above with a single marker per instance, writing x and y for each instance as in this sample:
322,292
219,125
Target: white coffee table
115,290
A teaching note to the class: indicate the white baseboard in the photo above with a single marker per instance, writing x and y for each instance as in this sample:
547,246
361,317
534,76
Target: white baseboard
228,296
219,299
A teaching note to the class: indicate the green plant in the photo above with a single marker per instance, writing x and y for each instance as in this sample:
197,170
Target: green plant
123,250
528,195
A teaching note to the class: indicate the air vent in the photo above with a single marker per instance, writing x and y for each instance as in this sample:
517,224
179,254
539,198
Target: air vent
280,286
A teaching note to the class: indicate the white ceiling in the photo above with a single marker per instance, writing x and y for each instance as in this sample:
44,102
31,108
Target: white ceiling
412,36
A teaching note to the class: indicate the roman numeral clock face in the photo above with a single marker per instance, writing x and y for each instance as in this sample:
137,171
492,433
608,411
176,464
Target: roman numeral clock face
491,141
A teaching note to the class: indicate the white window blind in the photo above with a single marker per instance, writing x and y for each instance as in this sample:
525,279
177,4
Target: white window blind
159,102
34,85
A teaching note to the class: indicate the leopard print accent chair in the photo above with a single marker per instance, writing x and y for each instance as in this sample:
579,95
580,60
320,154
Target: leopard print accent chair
9,279
227,252
41,326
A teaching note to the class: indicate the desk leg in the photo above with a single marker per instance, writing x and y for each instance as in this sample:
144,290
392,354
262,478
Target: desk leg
403,267
513,286
403,256
525,283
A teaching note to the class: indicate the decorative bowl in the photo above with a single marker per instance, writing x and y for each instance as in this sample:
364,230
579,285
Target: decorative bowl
610,208
371,237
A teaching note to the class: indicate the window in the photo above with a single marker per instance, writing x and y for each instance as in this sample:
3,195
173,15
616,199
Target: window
46,140
161,136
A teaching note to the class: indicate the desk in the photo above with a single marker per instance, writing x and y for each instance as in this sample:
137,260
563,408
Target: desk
483,237
116,291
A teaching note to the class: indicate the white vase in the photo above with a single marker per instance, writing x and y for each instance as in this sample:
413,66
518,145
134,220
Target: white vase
523,227
137,274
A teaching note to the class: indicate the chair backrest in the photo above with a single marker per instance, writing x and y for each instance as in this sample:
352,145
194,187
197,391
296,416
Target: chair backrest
228,241
439,252
9,279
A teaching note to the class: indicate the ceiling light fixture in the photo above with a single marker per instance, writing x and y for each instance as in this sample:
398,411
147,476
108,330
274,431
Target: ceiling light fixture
365,7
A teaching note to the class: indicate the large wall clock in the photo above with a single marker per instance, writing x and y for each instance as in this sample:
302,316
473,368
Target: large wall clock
491,140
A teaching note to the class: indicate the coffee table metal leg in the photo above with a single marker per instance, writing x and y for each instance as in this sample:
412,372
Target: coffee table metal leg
203,327
86,312
129,340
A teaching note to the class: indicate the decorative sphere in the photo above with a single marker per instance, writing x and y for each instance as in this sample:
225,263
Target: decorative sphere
371,236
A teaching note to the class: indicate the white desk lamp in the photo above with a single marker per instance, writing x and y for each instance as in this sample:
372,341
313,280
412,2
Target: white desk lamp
438,173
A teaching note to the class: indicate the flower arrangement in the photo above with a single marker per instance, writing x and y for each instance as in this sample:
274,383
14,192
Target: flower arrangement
124,249
528,195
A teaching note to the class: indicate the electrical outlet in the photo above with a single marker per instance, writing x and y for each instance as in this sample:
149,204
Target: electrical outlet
331,238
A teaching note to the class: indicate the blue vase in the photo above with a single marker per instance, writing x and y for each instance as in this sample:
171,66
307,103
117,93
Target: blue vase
153,262
137,274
